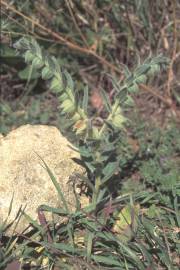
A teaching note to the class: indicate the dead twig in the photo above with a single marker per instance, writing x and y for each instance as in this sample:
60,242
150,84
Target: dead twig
69,4
166,101
63,40
88,51
44,224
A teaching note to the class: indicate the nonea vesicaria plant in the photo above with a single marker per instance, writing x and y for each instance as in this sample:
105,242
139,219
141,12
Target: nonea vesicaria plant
98,146
103,150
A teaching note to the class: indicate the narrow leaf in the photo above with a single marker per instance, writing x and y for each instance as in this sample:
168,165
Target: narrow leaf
85,99
106,100
56,184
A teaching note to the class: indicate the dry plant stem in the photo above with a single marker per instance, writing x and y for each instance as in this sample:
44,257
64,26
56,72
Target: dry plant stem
69,4
44,224
129,20
146,88
61,39
167,101
22,26
170,72
25,35
87,51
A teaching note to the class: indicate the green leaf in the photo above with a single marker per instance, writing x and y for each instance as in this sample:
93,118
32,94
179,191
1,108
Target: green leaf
70,94
122,95
23,44
85,100
154,69
126,70
24,74
34,223
109,171
176,207
89,244
106,100
59,211
56,85
90,166
126,222
37,63
36,47
60,246
56,184
107,260
62,97
142,70
133,88
84,151
70,82
67,106
118,120
141,79
29,56
46,73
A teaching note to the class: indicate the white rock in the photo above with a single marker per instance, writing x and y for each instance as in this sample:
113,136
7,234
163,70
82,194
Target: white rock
22,174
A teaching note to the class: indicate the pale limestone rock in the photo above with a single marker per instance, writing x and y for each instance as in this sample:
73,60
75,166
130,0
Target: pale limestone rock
21,170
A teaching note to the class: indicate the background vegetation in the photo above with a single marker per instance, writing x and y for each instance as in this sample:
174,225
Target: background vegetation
97,42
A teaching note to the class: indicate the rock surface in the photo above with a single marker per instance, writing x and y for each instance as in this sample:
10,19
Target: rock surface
22,174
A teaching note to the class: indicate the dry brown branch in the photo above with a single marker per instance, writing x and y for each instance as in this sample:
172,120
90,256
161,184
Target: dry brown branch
69,4
88,51
61,39
146,88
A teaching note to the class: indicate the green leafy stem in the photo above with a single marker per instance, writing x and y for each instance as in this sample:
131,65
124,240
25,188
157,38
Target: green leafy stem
96,158
62,84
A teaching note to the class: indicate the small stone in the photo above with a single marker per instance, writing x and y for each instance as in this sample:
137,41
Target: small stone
22,172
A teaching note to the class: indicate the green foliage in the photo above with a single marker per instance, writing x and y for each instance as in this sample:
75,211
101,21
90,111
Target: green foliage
161,169
93,236
98,147
17,114
132,220
60,83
